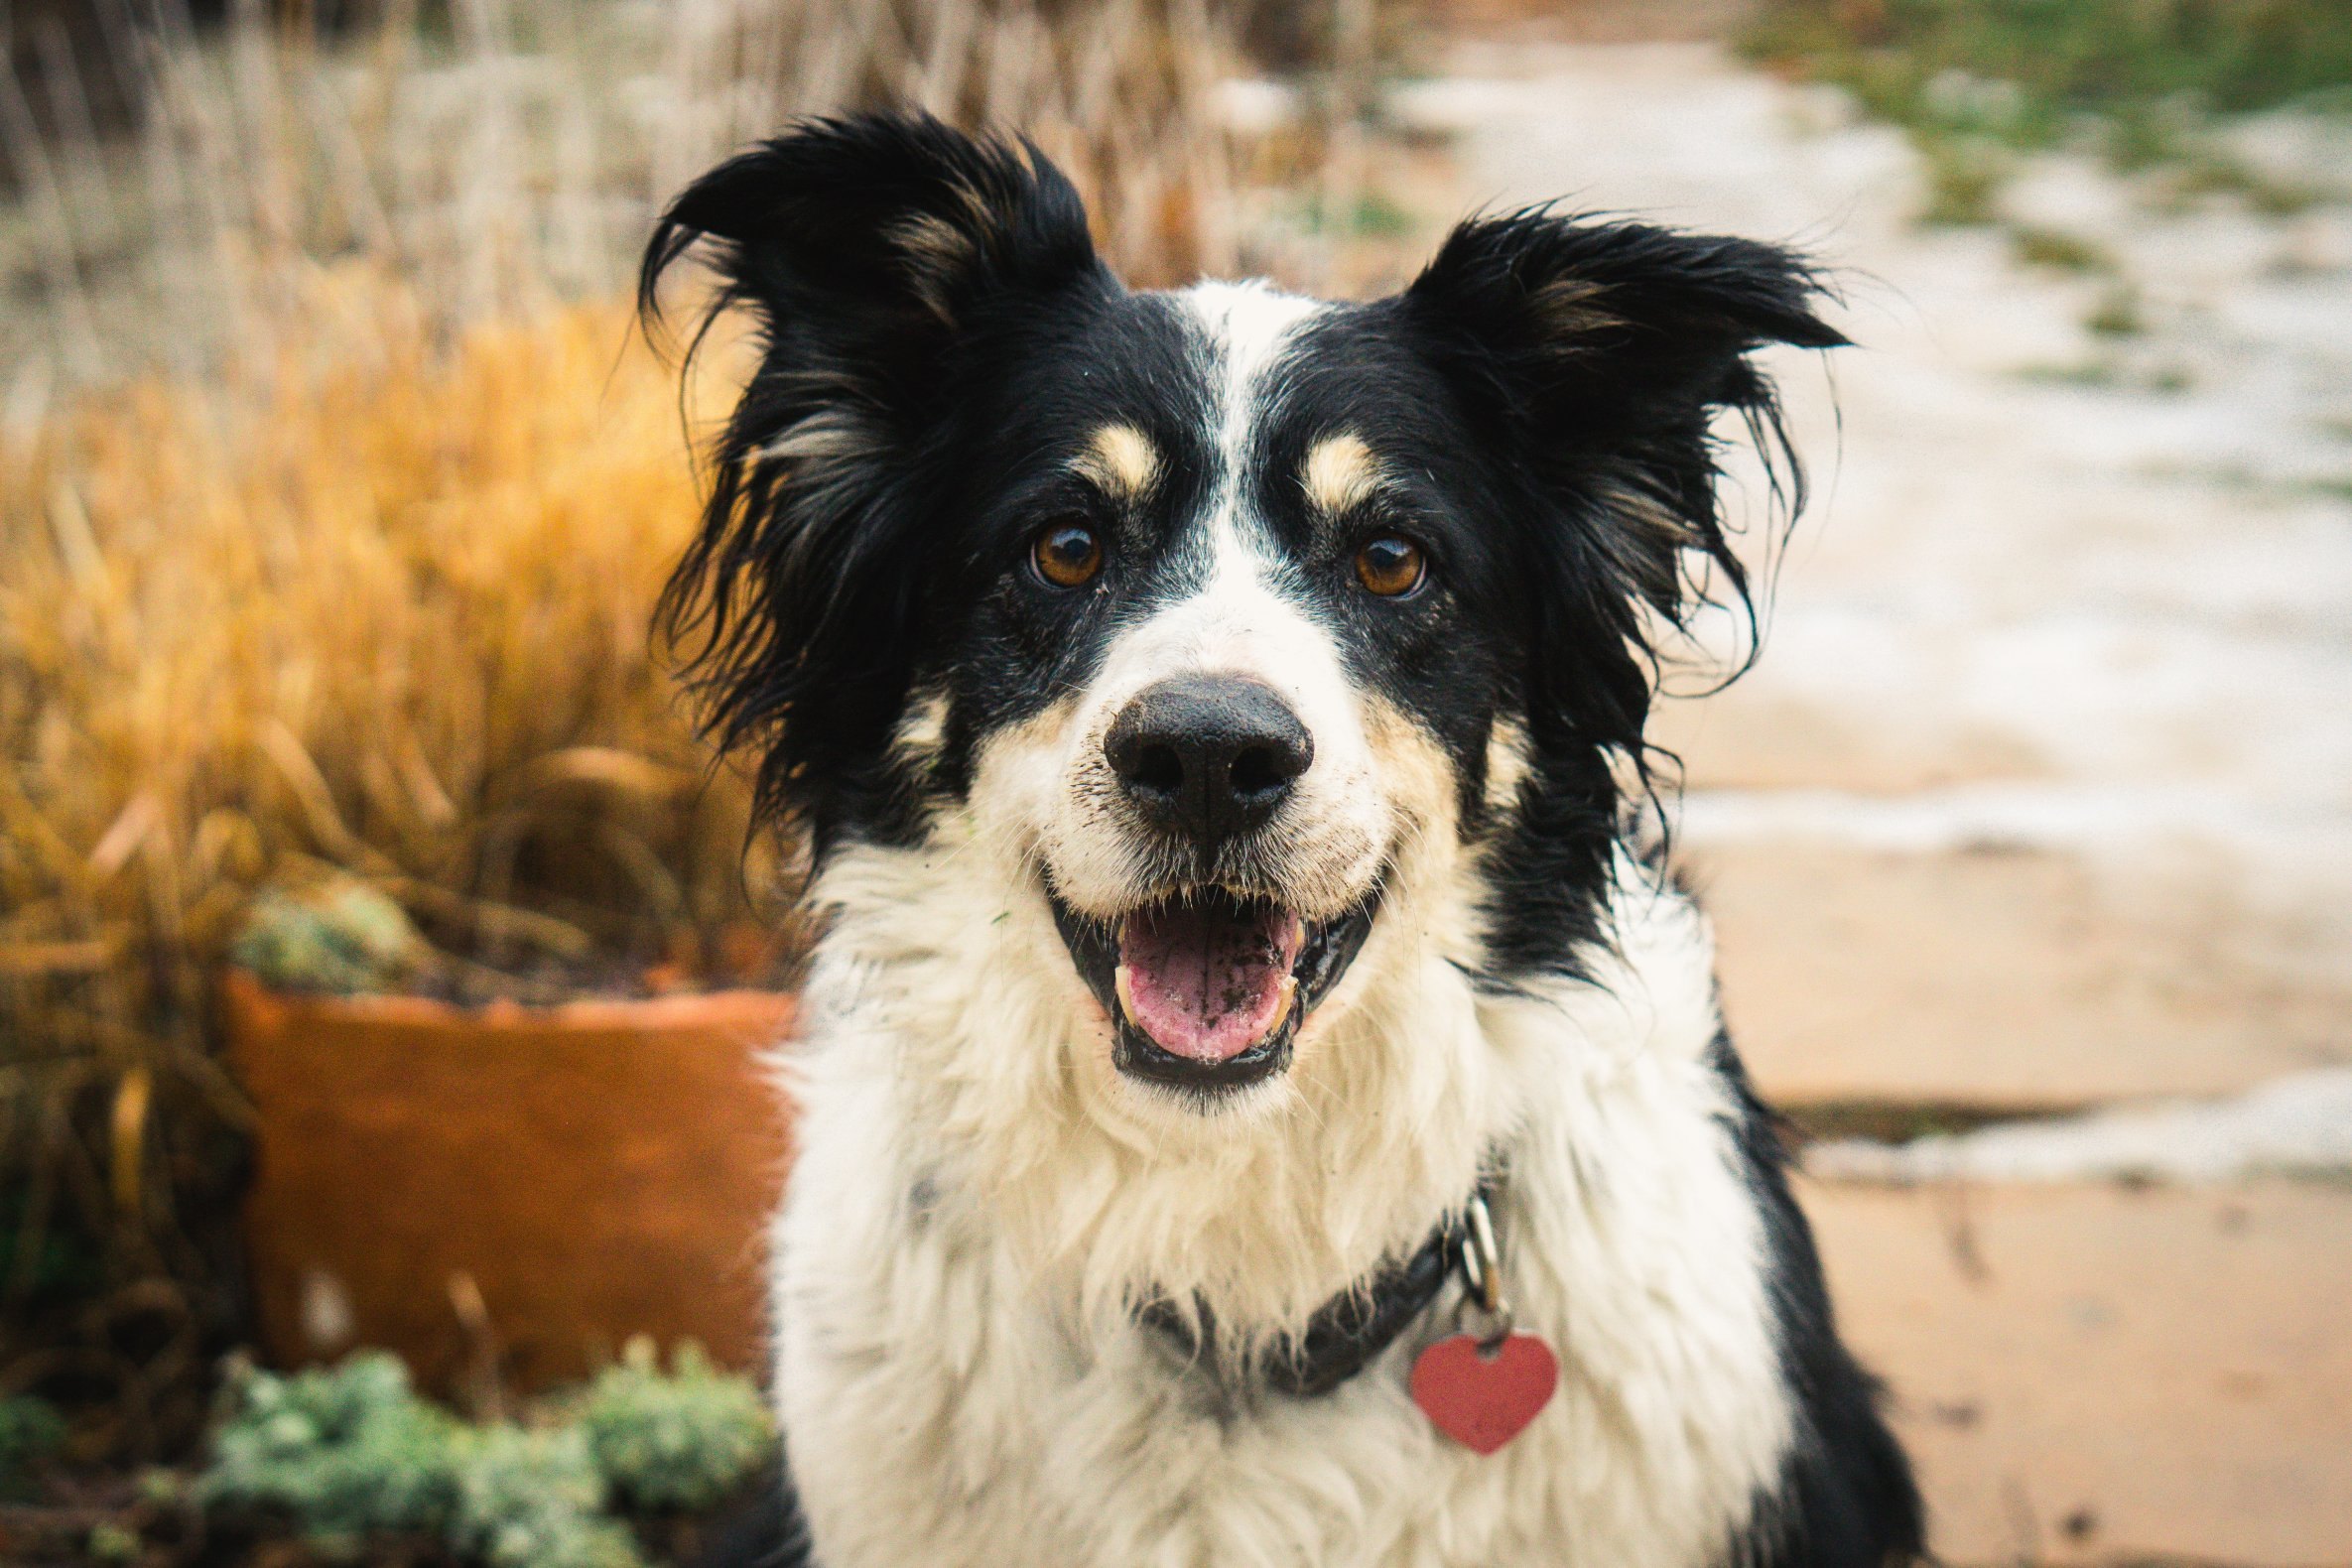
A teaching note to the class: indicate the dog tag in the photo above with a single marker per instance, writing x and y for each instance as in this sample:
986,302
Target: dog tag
1484,1399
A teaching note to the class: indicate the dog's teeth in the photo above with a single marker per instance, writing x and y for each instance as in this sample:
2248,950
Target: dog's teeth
1283,1007
1127,994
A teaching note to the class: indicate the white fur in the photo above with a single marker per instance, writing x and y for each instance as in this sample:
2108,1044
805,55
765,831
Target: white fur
981,1196
976,1200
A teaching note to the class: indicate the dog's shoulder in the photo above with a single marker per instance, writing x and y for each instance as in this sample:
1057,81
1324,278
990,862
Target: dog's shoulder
1847,1496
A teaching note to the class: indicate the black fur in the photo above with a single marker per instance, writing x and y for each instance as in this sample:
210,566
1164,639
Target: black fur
1591,359
879,256
938,342
762,1528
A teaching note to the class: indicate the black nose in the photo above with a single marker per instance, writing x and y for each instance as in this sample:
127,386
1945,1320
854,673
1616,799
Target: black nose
1209,755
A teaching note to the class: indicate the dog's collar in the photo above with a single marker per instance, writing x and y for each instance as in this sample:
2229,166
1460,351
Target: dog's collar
1349,1332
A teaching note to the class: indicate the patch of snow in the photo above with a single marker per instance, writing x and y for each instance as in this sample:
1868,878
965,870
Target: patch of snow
2061,817
2298,1125
1256,105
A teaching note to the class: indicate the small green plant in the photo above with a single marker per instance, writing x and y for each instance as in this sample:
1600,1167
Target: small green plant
675,1442
1373,214
2137,134
2209,171
2118,313
352,1454
533,1499
2105,370
345,1453
2056,248
341,936
110,1542
1964,178
2097,372
30,1431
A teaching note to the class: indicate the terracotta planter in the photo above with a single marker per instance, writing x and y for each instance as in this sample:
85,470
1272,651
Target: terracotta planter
508,1186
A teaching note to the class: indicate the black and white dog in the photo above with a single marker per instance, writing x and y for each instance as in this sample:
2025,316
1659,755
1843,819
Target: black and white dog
1245,1072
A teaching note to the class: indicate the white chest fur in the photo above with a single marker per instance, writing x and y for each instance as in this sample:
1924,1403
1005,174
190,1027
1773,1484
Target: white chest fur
962,1384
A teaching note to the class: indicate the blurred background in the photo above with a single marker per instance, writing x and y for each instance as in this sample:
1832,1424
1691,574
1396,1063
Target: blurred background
380,966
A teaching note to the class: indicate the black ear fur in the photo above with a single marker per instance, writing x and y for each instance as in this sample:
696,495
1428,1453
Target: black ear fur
1601,351
1597,354
1596,357
866,251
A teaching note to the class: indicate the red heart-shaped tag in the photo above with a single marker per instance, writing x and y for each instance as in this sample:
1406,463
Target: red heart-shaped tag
1482,1399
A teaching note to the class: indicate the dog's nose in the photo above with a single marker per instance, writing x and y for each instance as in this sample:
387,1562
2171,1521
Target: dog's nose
1207,755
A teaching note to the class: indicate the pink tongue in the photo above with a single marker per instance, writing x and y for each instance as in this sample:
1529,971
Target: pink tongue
1206,983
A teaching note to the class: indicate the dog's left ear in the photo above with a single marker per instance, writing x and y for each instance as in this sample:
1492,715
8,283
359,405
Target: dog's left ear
872,254
1600,355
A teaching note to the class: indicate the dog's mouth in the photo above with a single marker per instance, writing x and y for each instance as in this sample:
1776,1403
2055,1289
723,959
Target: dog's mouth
1207,989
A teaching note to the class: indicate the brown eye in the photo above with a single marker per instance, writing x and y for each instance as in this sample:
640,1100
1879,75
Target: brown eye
1390,567
1066,555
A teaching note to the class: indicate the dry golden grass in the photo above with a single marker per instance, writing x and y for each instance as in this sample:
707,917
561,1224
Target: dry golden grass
389,616
392,616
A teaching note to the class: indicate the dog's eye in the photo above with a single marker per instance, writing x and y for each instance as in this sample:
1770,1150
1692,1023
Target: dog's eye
1067,554
1390,567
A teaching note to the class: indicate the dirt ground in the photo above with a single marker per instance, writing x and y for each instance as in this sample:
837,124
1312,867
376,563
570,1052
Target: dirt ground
2041,799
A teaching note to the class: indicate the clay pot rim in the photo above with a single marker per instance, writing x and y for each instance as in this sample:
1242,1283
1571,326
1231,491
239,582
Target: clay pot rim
245,991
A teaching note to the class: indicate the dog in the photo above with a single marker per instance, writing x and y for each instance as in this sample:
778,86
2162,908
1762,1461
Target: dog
1260,1102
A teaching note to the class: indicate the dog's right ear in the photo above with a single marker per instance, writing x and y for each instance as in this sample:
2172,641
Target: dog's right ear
868,252
863,243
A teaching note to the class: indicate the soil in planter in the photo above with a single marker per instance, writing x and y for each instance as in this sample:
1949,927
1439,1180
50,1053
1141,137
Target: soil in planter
741,955
340,935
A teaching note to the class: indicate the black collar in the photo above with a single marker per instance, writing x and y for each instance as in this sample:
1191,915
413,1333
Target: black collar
1349,1332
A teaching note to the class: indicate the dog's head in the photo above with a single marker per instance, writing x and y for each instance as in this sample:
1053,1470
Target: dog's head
1237,618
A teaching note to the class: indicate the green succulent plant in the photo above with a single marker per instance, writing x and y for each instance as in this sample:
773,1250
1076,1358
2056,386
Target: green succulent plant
30,1431
341,937
680,1441
534,1498
351,1453
345,1452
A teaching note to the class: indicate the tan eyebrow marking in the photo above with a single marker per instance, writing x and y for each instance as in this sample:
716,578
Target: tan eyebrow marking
1122,459
1340,472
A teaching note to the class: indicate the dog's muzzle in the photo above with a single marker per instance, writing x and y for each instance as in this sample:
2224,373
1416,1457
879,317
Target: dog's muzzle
1209,982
